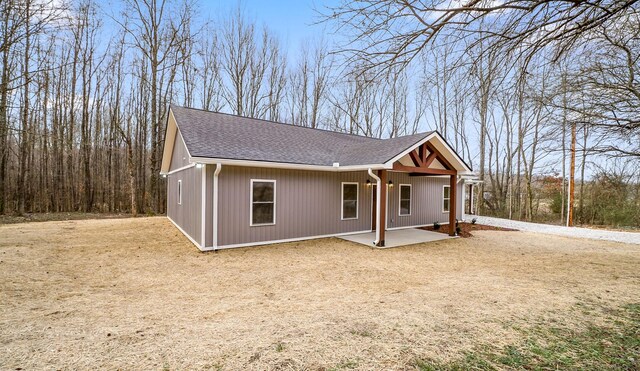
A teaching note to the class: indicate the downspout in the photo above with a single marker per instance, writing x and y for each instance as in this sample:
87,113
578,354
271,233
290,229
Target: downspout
203,216
215,205
378,186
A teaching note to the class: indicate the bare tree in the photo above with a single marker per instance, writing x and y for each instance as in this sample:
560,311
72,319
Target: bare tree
393,32
210,73
156,29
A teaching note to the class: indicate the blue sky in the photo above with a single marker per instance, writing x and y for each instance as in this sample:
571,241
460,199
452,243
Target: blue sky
291,20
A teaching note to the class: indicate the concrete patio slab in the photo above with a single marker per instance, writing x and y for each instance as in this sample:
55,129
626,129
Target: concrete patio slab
398,237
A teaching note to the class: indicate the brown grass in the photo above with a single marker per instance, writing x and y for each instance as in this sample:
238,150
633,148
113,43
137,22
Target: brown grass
48,217
135,294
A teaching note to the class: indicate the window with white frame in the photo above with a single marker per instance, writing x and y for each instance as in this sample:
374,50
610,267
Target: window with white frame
263,202
180,192
405,199
349,200
446,198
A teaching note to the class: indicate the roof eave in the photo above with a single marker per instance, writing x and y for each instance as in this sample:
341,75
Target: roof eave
283,165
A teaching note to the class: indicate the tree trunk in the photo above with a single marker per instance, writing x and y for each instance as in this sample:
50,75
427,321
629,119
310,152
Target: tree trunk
24,131
572,172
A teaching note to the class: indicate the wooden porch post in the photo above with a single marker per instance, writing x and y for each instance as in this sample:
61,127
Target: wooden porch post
382,174
452,204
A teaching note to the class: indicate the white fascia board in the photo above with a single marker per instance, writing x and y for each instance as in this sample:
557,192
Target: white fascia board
178,169
282,165
169,140
470,176
389,164
455,155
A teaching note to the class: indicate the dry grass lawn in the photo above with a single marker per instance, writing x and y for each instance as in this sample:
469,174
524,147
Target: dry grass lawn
135,294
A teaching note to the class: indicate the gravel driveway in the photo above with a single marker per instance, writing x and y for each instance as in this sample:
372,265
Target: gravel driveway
594,234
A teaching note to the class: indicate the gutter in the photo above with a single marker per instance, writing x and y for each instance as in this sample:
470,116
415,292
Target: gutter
378,187
283,165
215,205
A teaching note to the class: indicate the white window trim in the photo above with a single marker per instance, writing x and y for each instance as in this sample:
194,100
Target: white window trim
251,202
443,198
400,199
342,200
179,191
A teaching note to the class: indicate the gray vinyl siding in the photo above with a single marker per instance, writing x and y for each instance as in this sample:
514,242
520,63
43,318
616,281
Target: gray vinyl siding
308,203
426,200
179,156
188,214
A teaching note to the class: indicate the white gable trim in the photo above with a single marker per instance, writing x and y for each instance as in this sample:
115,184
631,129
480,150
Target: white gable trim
171,133
457,161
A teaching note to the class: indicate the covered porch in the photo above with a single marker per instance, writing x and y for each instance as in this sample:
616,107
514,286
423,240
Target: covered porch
432,157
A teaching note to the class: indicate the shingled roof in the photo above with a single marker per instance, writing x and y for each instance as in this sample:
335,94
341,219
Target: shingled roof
219,135
223,136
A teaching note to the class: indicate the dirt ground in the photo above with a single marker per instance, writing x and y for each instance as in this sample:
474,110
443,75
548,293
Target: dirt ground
135,294
467,228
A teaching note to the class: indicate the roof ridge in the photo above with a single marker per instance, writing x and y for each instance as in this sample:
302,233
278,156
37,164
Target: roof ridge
277,122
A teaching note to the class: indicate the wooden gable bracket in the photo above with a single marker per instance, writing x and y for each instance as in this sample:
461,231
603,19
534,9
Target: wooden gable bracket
422,162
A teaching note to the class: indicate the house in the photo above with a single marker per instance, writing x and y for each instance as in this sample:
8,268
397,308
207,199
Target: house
236,181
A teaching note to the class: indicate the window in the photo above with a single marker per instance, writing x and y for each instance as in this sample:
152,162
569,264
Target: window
446,198
180,192
349,201
405,199
263,202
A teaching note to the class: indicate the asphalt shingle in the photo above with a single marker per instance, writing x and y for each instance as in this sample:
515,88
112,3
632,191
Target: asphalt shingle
219,135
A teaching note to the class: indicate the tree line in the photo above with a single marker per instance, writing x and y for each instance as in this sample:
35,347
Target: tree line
84,92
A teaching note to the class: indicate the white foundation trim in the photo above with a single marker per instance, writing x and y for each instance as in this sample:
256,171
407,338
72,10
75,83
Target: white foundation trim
185,233
259,243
